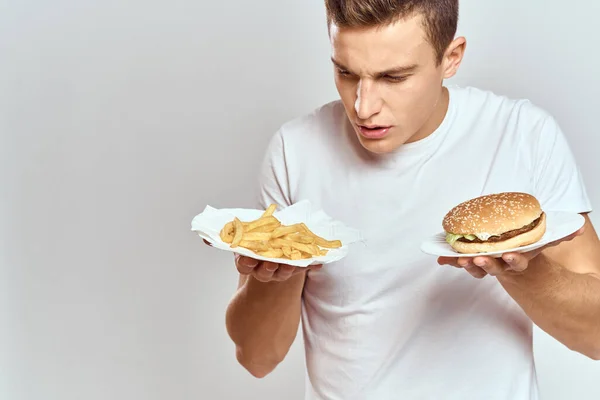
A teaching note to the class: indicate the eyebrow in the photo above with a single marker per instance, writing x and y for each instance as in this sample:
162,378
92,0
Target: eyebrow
392,71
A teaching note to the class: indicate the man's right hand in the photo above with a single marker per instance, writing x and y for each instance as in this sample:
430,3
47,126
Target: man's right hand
265,271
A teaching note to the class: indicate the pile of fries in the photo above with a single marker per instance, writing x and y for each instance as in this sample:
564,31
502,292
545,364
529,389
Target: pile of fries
268,237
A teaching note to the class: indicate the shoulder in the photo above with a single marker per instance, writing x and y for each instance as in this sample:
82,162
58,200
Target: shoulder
494,103
322,121
520,117
310,136
317,132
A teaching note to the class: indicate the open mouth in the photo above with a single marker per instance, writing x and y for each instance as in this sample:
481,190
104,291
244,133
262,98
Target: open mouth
374,131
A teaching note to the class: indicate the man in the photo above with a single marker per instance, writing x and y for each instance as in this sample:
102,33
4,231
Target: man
390,159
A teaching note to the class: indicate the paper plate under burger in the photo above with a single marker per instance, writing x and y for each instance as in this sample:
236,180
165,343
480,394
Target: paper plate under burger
496,224
298,235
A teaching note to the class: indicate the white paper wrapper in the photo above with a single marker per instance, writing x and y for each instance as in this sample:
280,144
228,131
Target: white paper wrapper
209,223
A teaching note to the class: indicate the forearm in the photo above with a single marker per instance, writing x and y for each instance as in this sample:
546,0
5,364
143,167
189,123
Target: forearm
262,320
563,303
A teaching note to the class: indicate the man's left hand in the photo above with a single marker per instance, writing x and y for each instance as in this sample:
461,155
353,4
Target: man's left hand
509,263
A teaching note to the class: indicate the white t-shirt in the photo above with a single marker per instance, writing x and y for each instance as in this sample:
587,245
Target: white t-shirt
387,322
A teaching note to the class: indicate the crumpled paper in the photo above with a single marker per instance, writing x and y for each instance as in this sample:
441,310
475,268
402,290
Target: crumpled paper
209,223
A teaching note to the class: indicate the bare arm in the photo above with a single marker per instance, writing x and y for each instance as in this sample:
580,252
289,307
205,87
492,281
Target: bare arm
263,317
560,291
557,287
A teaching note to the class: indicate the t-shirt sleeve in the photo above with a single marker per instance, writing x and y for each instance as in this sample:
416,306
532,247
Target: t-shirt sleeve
273,183
558,181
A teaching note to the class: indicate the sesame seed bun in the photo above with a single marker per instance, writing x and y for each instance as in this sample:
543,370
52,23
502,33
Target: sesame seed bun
500,221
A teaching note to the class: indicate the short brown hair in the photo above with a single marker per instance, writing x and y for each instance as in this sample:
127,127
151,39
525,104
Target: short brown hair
440,17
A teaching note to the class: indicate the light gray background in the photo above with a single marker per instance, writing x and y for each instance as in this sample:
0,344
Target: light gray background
120,120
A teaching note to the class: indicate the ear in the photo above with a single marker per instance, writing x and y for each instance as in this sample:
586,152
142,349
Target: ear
453,57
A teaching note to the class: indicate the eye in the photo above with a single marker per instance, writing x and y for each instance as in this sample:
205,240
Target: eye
342,72
395,79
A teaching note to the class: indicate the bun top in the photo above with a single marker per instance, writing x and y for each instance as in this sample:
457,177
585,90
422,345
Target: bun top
492,214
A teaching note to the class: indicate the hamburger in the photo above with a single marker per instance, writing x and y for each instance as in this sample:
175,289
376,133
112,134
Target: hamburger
495,222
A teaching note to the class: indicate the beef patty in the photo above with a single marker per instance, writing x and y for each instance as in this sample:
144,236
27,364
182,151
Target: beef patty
506,235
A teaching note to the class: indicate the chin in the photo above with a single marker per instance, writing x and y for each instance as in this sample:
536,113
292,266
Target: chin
379,146
378,149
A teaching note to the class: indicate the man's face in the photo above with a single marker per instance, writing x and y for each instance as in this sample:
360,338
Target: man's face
389,82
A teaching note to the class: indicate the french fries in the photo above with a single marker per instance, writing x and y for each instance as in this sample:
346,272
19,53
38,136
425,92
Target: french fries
268,237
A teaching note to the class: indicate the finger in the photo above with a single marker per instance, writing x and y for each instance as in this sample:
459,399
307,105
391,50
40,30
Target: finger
516,261
304,270
491,266
245,265
207,242
448,261
451,261
264,272
465,262
475,271
284,272
580,232
315,267
462,262
565,239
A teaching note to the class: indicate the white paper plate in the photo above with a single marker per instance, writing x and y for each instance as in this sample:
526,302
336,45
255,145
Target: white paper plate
558,226
209,223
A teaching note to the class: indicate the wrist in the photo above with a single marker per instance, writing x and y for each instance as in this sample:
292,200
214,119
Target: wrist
274,289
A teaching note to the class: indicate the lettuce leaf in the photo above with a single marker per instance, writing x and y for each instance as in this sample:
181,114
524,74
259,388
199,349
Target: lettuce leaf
452,238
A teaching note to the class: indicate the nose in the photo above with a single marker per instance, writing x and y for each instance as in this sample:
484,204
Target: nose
368,101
